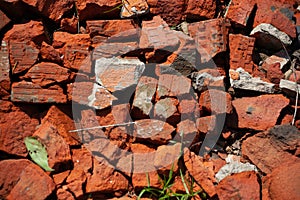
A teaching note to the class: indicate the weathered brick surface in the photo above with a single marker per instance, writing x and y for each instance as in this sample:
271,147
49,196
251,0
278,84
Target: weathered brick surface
15,125
241,50
211,37
171,14
22,56
110,28
92,9
30,31
4,70
239,12
45,74
155,36
75,50
201,9
29,92
51,9
277,13
173,85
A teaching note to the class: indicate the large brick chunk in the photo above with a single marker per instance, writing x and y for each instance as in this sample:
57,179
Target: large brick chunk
211,37
91,9
15,125
241,50
155,35
31,31
171,14
51,9
239,12
277,13
45,74
173,85
201,9
30,92
22,56
75,49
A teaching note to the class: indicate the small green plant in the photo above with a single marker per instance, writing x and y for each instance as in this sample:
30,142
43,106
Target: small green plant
166,192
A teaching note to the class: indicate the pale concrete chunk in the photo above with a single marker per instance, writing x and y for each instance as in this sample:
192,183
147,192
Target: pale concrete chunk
246,82
118,73
269,37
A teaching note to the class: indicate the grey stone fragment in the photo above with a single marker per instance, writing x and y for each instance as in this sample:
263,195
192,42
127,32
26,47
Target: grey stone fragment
289,86
247,82
233,166
269,37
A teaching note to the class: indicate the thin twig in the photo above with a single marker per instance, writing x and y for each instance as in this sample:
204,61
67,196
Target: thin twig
293,63
227,8
99,127
297,91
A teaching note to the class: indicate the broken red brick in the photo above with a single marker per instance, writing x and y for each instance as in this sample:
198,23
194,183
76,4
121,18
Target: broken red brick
211,37
245,186
22,56
286,174
29,92
173,86
48,53
270,149
75,49
154,131
215,102
32,182
155,36
239,12
90,94
201,9
24,33
171,14
70,25
41,75
15,125
241,50
51,9
277,13
206,124
94,9
58,150
252,112
59,116
166,110
105,179
110,28
202,175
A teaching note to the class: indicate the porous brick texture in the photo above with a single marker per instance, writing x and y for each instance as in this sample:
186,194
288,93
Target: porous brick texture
131,96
